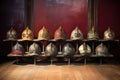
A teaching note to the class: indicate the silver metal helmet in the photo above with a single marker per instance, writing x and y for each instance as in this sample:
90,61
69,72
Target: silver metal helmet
34,49
51,50
101,50
76,34
18,49
68,50
84,49
11,34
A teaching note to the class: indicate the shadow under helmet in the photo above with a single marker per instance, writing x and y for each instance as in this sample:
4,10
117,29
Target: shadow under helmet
34,49
76,34
51,50
11,34
101,50
43,34
68,50
92,34
60,34
109,34
84,49
18,49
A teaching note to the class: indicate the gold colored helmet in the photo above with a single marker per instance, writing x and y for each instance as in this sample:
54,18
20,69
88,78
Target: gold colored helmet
43,34
92,34
76,34
101,50
84,49
11,34
27,34
60,34
109,34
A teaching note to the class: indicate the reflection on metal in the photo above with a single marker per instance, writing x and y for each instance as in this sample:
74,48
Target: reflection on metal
27,34
11,34
43,34
109,34
76,34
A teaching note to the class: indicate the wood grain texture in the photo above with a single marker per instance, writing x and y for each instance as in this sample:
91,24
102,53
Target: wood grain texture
10,71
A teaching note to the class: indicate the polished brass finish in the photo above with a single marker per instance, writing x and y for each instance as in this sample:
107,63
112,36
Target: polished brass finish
27,34
43,34
109,34
76,34
84,49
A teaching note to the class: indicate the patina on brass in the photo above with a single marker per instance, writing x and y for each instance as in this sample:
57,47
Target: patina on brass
84,49
92,34
27,34
43,34
76,34
101,50
60,34
109,34
11,34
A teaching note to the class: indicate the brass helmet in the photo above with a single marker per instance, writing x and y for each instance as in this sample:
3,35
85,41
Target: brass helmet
60,34
27,34
76,34
92,34
43,34
101,50
109,34
18,49
11,34
51,50
34,49
68,50
84,49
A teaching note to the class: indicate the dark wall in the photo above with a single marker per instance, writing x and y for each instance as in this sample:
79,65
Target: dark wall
109,16
67,13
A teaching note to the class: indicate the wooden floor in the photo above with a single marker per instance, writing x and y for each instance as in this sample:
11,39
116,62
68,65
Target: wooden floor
10,71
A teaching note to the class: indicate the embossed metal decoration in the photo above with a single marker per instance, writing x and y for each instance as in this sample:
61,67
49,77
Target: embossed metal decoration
11,34
76,34
84,49
27,34
101,50
34,49
18,49
60,34
68,50
92,34
109,34
43,34
51,50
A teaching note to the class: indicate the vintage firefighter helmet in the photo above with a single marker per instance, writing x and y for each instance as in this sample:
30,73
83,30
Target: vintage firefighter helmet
92,34
51,50
11,34
76,34
68,50
60,34
43,34
84,49
18,49
27,34
34,49
109,34
101,50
